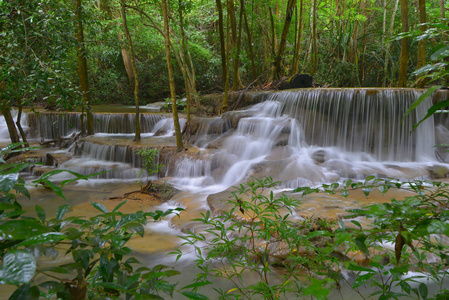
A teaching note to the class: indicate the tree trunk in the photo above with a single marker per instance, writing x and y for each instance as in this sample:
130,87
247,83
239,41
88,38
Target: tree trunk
13,135
403,59
222,41
224,103
314,55
443,17
82,69
277,70
387,47
133,66
234,45
19,126
295,65
250,44
421,62
171,77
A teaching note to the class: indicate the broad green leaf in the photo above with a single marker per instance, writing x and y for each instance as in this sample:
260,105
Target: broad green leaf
26,292
21,229
62,210
45,238
354,267
344,193
196,285
423,290
40,213
194,296
431,111
440,53
360,280
100,207
8,181
119,205
18,267
318,233
421,98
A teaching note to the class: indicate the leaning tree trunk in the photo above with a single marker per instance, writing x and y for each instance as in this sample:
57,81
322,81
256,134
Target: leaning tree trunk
13,135
82,69
19,126
295,65
171,77
403,59
133,66
282,44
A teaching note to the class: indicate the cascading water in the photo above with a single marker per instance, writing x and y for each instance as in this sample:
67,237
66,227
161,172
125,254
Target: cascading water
50,125
311,136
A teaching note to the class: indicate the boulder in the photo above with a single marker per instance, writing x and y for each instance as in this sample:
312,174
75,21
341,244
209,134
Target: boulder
297,81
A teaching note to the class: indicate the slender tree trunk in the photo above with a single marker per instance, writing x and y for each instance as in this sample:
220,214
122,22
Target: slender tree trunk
421,62
273,34
250,45
133,66
82,69
171,77
183,51
13,135
222,41
237,82
403,59
443,19
19,126
314,55
387,47
295,67
224,103
277,69
234,45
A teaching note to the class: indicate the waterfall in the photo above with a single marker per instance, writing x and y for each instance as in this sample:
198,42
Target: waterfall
310,136
49,125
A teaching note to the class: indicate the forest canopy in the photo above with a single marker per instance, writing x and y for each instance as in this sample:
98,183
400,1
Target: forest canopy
213,44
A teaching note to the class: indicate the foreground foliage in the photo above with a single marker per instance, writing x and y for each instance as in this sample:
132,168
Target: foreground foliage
96,263
402,253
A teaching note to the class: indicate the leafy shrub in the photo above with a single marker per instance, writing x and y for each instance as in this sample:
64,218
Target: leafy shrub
99,263
299,258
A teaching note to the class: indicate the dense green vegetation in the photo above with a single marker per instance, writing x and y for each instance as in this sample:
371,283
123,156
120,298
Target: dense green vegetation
341,43
403,253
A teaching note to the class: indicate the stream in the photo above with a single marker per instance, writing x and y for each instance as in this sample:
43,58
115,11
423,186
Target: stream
304,137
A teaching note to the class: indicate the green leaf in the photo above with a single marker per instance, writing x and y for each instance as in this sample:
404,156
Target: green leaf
111,285
82,257
194,296
440,53
26,292
62,210
21,229
40,213
118,206
8,181
360,280
318,233
421,98
45,238
432,110
196,285
18,267
355,267
423,290
344,193
100,207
